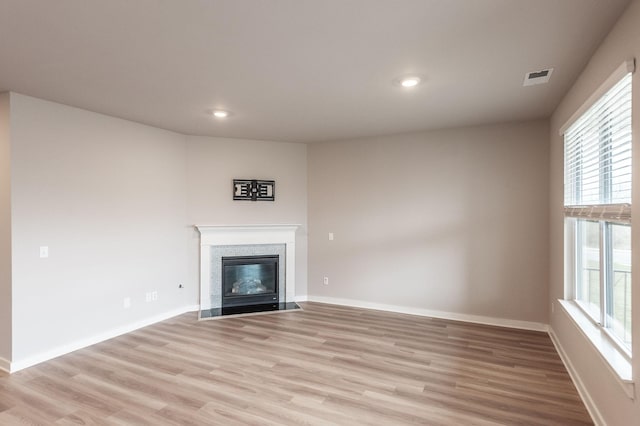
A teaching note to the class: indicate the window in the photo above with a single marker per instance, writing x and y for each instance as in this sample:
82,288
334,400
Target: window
597,200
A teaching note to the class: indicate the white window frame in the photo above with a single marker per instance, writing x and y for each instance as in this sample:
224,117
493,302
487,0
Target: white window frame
606,276
615,352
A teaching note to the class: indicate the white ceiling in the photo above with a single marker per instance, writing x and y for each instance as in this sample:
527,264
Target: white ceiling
300,70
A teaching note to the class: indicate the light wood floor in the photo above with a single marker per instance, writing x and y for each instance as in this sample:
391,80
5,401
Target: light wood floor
323,365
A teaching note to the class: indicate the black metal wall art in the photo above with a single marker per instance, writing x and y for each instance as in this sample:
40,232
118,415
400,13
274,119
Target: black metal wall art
254,190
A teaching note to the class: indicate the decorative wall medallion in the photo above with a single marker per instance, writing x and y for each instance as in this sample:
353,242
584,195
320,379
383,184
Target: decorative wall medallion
254,190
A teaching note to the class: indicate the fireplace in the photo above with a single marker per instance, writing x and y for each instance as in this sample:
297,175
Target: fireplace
257,264
249,281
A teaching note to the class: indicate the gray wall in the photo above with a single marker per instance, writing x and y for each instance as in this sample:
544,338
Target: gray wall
107,196
213,163
116,202
600,382
452,220
5,231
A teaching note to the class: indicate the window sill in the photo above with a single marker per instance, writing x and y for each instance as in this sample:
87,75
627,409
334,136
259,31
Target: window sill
609,351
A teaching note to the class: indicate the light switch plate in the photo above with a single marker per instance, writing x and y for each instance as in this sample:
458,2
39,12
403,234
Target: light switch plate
44,251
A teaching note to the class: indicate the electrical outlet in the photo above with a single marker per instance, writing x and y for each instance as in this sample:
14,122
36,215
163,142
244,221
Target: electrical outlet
326,280
148,297
154,296
126,303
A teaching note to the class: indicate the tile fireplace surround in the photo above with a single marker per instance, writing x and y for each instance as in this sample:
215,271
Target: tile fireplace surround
235,240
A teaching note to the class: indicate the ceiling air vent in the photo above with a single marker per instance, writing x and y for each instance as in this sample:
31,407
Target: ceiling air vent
537,77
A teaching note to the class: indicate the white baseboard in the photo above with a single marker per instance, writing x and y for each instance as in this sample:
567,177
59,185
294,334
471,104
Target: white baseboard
65,349
5,365
191,308
595,414
74,346
478,319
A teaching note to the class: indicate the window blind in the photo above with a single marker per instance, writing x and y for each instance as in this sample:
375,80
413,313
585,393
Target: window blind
598,152
619,213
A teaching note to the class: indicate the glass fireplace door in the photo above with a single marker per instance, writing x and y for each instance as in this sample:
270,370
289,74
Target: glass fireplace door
249,280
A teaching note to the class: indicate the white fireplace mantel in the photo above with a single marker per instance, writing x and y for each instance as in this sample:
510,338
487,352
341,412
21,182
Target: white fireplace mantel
222,235
230,235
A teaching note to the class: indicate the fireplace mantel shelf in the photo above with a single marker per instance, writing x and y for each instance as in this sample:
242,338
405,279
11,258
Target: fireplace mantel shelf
247,234
253,226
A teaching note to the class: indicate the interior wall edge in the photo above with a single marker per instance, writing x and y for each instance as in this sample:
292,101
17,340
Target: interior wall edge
6,271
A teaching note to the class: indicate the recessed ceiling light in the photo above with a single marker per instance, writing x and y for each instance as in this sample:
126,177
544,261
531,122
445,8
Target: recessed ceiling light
410,82
220,113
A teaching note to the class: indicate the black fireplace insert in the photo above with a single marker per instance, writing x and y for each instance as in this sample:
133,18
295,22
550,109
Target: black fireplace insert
249,280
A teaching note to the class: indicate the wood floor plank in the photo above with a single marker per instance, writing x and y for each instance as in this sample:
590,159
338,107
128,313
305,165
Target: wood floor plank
324,365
